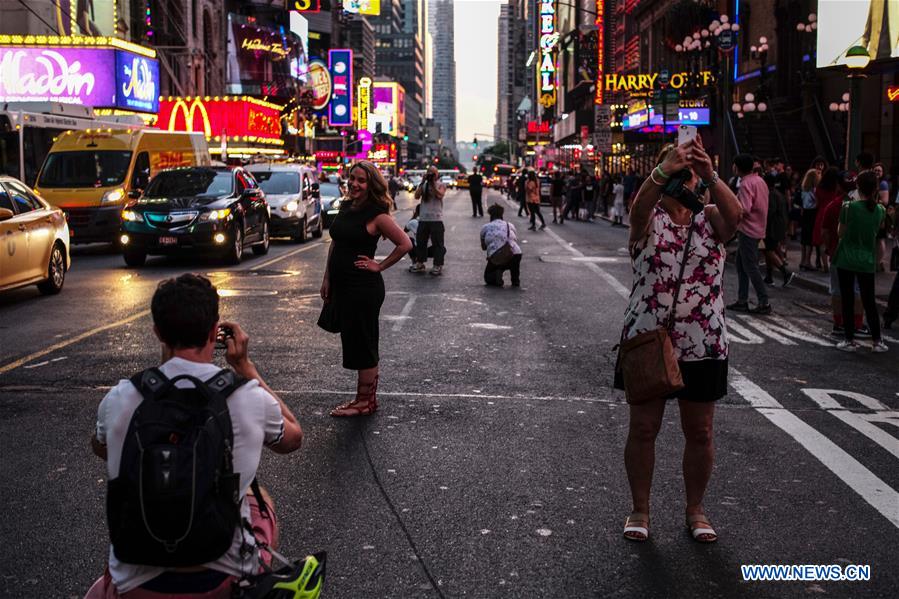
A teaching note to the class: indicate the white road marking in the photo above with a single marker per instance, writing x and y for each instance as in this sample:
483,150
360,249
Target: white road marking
737,333
603,274
571,399
404,314
860,422
299,250
763,328
489,326
872,489
90,333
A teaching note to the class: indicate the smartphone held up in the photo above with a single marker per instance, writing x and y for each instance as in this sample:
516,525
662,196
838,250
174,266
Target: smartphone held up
686,134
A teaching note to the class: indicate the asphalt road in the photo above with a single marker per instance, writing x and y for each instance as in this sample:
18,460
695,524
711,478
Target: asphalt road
494,467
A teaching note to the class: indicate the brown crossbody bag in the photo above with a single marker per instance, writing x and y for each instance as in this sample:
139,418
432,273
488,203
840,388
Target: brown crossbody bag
647,362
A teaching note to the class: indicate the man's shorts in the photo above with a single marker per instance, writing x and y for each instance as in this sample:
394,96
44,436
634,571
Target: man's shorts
265,528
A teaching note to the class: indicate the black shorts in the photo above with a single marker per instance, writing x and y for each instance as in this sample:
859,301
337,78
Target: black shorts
704,381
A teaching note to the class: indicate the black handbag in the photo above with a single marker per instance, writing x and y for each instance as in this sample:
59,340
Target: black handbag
505,253
329,319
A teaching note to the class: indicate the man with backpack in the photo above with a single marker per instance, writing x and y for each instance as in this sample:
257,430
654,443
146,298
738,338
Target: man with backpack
182,443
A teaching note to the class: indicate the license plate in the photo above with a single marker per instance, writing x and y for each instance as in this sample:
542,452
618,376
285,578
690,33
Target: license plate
167,240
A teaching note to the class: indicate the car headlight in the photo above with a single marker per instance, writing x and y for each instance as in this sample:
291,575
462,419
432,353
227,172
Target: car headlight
290,206
215,215
131,216
335,205
113,196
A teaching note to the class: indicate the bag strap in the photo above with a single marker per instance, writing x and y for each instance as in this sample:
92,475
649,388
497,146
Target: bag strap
150,383
680,276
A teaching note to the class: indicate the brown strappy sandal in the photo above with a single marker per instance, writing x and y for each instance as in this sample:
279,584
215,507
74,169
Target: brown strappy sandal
364,404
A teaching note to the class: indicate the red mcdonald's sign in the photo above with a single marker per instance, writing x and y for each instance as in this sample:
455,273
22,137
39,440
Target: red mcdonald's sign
230,116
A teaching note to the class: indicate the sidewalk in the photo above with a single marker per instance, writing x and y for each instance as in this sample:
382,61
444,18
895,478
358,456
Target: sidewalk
811,280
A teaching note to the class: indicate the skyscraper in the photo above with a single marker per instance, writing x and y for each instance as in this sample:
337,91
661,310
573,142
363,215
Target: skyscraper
516,34
444,85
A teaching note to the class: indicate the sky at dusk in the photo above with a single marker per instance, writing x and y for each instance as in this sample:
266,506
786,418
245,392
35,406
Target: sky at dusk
476,39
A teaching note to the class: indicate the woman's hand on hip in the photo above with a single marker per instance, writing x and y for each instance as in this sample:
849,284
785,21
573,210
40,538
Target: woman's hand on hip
369,264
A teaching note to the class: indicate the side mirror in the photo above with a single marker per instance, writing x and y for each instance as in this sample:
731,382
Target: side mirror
134,194
6,214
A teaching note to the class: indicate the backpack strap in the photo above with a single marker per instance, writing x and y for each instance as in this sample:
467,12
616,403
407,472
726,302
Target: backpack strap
150,383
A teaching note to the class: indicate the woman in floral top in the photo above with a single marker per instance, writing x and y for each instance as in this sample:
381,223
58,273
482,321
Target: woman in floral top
659,229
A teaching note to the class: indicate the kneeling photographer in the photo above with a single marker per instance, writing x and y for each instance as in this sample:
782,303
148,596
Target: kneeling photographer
674,340
182,444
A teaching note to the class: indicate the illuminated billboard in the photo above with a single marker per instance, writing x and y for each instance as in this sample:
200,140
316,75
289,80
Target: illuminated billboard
842,24
99,77
363,7
546,67
388,108
340,109
232,117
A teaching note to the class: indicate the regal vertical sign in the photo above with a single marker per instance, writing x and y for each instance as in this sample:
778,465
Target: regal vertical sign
546,68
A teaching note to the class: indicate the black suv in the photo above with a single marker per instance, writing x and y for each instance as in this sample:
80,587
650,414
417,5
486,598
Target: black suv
215,210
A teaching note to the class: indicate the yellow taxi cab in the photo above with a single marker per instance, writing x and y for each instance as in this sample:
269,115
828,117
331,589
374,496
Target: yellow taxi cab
92,174
462,181
34,240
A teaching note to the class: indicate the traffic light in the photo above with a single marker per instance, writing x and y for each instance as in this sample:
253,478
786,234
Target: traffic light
405,138
475,143
475,157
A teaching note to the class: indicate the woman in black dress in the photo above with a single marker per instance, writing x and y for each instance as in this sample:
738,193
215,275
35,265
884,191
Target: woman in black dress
353,278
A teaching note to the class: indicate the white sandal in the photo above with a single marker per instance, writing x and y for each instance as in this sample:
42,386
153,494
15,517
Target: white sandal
701,531
632,532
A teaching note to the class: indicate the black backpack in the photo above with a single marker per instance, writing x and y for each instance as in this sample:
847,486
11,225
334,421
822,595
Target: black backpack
176,501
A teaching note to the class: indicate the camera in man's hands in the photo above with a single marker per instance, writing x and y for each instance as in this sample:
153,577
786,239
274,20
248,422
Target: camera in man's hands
676,188
222,335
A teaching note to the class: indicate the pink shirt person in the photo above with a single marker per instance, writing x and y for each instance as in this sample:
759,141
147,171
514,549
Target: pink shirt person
753,195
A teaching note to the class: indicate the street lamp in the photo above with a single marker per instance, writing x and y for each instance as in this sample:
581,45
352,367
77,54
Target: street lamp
857,59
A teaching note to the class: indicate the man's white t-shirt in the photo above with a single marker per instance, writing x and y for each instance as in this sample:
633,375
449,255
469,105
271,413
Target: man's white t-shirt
618,191
256,420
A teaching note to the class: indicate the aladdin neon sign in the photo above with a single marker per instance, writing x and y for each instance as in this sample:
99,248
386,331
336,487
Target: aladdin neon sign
100,77
546,71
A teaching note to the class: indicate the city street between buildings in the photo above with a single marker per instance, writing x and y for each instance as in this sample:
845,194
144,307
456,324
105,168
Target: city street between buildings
494,464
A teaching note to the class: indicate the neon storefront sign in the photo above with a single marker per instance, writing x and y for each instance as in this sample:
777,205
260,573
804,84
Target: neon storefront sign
546,70
97,77
643,82
229,117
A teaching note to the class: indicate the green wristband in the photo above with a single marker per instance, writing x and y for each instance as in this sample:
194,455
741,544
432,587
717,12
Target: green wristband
661,173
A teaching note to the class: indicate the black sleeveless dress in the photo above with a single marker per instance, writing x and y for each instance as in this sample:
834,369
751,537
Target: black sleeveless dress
358,294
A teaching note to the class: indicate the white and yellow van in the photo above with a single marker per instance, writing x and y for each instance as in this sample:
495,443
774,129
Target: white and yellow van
91,174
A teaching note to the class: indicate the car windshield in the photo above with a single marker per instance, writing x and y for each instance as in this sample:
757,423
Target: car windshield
190,183
278,183
85,168
329,190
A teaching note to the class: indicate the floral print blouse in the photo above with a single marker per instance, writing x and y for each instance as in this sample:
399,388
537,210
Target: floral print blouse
699,331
